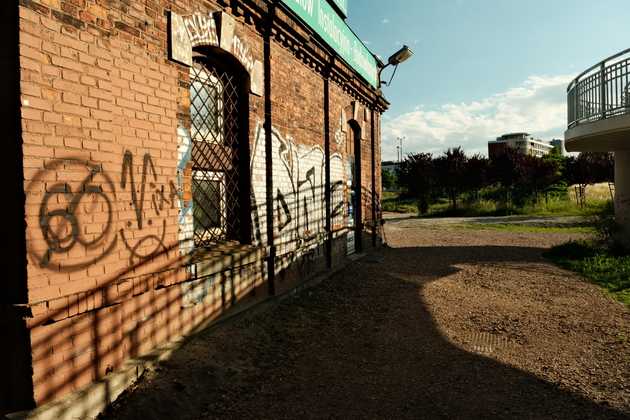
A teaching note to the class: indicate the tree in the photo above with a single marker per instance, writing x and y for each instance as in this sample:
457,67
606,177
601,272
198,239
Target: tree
477,174
540,175
451,173
559,186
589,168
505,170
603,166
388,179
417,175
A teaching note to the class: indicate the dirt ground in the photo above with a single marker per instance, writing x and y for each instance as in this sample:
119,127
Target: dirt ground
445,323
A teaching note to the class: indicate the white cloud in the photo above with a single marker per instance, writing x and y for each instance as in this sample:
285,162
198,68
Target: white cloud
538,106
385,21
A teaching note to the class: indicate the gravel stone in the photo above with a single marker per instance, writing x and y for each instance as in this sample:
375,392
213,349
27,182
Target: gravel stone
445,322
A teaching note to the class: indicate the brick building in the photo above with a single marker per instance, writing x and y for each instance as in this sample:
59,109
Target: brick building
168,161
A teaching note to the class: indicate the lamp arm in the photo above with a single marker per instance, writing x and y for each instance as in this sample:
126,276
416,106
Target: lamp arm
391,78
380,71
393,74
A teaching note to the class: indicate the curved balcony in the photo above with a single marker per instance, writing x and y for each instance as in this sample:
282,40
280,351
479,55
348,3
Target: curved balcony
599,106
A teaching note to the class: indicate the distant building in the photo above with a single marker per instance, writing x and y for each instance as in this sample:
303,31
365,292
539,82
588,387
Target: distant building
558,144
522,142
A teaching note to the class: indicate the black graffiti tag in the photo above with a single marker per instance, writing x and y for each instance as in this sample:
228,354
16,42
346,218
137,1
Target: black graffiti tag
76,213
282,202
337,188
158,199
64,214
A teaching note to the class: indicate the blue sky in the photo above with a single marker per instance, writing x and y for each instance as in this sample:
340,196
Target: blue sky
485,67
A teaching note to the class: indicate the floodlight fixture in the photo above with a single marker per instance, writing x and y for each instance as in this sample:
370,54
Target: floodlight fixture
397,58
400,56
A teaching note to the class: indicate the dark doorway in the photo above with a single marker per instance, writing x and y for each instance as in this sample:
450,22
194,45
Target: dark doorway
356,186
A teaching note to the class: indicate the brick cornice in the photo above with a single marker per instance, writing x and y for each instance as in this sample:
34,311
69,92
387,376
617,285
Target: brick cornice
302,42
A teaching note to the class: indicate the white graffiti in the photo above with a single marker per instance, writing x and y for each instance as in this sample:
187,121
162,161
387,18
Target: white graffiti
202,30
242,52
299,181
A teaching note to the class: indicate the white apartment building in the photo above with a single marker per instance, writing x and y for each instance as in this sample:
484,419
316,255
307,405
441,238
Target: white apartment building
523,142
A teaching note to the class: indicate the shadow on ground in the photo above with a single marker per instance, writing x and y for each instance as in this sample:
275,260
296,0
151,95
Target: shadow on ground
361,345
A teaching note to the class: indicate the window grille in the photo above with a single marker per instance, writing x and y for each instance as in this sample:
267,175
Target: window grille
215,101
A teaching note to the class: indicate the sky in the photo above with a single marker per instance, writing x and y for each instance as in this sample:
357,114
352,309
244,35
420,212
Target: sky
483,68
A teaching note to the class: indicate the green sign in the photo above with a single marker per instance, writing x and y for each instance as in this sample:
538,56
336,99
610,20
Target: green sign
342,5
323,19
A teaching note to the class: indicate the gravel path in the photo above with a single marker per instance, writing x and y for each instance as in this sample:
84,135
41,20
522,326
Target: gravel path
447,323
542,221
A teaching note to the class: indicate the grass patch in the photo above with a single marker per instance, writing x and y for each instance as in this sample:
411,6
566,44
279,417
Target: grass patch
396,203
522,228
399,203
562,207
553,207
604,267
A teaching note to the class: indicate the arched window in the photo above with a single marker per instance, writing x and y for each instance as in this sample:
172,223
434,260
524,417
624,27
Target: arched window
220,178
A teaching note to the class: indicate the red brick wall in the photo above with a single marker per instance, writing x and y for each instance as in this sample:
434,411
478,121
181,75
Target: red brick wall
101,109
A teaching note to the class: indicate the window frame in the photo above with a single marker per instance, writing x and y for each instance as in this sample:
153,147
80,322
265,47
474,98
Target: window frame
214,134
211,176
226,155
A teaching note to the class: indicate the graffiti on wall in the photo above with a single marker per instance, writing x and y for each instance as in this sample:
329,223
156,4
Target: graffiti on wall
340,133
148,244
185,202
64,214
217,29
83,215
79,212
299,181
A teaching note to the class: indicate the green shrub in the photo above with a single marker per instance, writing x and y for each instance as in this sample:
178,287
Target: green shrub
608,268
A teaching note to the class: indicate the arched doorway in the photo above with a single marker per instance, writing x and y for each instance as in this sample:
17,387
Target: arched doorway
220,179
355,189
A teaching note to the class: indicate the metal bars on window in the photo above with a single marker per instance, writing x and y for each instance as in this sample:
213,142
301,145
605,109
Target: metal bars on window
603,91
214,105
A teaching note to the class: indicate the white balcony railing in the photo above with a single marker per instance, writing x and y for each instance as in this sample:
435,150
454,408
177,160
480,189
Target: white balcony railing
602,91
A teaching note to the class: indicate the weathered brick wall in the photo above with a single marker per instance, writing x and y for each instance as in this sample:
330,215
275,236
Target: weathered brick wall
105,116
99,124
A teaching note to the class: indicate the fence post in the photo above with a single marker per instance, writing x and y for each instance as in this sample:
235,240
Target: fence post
602,89
576,100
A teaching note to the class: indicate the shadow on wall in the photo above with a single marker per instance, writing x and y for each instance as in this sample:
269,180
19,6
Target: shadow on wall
378,353
157,291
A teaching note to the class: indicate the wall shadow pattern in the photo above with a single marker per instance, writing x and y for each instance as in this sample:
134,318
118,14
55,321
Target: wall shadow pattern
378,354
160,293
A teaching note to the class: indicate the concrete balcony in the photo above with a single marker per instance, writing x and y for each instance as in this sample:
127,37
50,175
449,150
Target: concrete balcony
599,107
599,121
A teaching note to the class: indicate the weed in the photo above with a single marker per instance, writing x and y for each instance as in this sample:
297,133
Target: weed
604,266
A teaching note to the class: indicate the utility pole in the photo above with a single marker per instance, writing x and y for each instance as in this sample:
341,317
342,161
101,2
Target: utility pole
400,139
398,154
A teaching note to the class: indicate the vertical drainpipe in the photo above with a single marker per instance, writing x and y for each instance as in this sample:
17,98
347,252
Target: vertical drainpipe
271,257
327,192
373,146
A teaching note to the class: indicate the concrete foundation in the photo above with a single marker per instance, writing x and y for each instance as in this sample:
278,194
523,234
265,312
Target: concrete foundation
622,194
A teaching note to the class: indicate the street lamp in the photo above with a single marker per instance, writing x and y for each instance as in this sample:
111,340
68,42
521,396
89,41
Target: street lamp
397,58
